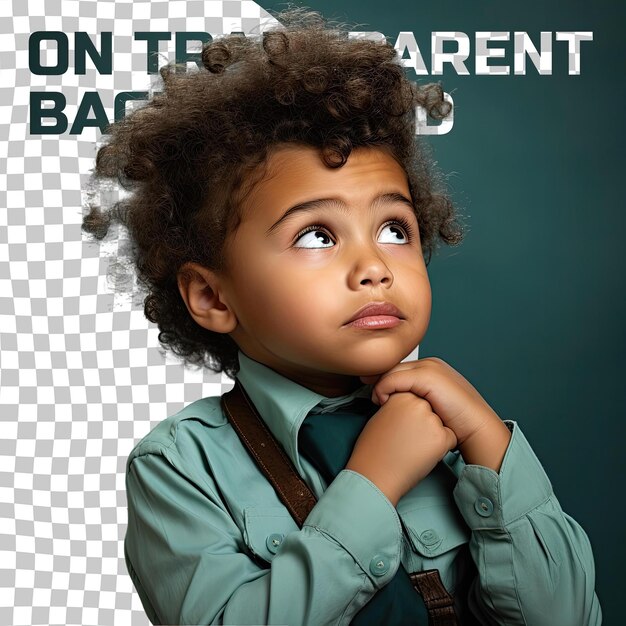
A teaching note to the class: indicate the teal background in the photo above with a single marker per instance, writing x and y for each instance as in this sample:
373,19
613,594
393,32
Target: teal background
530,308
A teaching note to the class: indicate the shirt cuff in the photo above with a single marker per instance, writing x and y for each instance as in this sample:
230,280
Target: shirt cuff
358,515
491,500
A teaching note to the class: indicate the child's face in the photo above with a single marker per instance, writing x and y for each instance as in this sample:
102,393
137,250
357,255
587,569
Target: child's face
292,294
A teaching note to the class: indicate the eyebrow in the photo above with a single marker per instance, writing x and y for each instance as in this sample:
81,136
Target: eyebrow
310,205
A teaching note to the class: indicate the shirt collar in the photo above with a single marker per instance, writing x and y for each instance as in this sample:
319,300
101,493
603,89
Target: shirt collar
284,404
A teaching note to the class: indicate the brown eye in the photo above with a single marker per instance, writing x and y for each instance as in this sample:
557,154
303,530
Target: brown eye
313,237
395,234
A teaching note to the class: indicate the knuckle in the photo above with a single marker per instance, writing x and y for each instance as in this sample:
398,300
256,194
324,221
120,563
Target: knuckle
434,421
435,360
441,437
410,400
422,405
402,396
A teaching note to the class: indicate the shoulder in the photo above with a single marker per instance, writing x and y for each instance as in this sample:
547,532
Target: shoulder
164,437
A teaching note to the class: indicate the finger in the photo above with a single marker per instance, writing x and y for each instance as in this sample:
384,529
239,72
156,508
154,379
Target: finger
374,378
405,365
451,440
408,379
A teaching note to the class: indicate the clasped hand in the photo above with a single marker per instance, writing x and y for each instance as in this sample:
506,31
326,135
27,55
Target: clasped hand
426,409
457,403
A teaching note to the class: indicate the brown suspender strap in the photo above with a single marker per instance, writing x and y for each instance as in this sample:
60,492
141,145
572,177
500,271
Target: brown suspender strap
438,601
268,454
295,494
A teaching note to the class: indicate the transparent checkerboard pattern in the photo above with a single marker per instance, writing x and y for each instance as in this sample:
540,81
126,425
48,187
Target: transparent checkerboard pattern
82,374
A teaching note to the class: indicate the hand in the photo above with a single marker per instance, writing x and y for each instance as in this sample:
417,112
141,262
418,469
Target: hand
400,445
481,435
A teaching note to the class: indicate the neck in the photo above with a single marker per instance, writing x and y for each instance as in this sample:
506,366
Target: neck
330,388
328,384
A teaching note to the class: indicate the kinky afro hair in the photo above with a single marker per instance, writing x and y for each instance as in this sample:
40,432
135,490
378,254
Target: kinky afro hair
189,155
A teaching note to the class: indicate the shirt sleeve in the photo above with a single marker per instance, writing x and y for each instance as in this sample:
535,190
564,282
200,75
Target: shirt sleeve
535,563
190,565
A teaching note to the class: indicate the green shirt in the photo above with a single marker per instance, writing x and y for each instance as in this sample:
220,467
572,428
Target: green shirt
209,542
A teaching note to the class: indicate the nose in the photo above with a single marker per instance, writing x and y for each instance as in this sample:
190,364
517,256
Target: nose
370,270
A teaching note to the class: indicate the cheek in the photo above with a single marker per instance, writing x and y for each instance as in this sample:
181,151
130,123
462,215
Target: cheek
419,295
277,299
297,301
306,311
424,292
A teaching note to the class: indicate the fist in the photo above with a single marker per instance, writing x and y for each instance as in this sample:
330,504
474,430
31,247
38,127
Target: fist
482,437
451,396
401,444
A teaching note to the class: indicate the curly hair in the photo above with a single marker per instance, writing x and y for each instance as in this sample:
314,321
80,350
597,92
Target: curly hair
190,155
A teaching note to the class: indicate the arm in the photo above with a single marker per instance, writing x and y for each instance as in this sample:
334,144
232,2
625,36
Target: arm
535,563
190,564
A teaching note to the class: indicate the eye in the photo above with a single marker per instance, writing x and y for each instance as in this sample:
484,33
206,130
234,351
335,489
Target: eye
399,231
313,236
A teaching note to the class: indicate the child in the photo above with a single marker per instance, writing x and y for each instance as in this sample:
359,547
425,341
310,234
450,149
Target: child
282,217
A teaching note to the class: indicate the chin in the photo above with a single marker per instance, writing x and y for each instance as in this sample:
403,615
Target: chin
374,366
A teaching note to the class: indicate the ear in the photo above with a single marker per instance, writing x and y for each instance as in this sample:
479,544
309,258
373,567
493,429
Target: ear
201,291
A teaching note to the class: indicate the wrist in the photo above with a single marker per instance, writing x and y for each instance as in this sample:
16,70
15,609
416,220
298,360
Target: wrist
386,486
487,446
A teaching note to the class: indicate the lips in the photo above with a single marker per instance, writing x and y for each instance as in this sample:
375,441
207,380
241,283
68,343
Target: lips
376,308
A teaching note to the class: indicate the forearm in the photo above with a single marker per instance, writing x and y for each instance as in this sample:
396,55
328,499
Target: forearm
537,571
535,563
325,573
191,564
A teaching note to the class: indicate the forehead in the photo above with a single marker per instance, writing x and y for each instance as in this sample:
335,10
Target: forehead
295,173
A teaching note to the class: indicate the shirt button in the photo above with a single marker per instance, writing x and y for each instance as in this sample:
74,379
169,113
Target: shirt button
429,537
484,507
273,542
379,565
